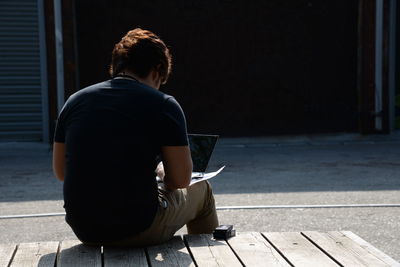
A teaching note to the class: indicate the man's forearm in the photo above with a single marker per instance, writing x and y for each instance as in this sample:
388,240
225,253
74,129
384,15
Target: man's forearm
59,160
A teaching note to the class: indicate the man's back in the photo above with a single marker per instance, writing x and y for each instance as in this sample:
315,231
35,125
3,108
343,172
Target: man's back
106,146
112,136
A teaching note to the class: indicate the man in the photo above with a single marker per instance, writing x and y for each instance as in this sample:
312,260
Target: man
107,141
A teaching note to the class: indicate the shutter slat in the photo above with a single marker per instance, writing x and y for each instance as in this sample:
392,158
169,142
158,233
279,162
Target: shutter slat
20,87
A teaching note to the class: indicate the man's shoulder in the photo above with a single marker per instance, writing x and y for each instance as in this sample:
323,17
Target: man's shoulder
129,91
87,90
91,89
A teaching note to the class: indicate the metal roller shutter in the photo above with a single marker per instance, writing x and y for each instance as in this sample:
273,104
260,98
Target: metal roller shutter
20,83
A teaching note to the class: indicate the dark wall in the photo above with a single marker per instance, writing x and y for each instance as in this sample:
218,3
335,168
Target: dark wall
397,68
240,67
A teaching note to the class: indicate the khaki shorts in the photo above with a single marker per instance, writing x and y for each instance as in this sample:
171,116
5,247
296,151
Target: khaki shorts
193,206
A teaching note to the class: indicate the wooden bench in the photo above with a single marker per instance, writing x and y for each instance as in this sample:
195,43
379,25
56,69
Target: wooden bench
248,249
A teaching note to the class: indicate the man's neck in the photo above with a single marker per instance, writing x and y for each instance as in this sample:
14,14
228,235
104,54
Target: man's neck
147,80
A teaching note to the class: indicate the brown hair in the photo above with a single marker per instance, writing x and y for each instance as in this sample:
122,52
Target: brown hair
141,51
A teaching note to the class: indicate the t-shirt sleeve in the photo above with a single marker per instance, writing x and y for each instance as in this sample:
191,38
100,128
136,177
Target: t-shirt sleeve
173,131
59,133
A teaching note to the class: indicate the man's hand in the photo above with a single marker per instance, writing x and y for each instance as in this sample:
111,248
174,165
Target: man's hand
160,171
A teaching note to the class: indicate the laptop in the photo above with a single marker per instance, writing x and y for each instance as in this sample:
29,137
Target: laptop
201,149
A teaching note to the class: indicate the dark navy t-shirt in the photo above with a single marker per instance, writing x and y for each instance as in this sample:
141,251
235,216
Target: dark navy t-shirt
113,132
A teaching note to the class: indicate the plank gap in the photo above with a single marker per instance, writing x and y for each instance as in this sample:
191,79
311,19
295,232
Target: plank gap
280,252
57,254
234,252
147,257
102,256
320,248
190,251
13,255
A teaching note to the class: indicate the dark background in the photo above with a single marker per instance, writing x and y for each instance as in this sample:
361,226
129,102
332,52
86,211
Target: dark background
397,108
241,68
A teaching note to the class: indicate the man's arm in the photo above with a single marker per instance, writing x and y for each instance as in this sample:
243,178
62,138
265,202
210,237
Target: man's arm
59,160
177,166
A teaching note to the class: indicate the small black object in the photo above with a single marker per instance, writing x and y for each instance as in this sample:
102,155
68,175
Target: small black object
224,232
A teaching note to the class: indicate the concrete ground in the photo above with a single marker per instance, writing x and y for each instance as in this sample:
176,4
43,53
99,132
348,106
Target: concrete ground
293,170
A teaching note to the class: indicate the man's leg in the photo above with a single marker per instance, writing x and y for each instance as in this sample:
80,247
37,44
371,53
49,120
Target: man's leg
206,220
193,206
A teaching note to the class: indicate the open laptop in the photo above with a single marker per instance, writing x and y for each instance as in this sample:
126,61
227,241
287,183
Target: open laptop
201,148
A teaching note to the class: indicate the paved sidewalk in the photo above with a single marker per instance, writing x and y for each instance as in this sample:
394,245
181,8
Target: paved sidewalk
299,170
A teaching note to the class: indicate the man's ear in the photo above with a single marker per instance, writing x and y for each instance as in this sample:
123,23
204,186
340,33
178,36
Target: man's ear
162,79
155,75
153,79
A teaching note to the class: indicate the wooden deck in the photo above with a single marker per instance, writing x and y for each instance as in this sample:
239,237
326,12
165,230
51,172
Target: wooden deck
246,249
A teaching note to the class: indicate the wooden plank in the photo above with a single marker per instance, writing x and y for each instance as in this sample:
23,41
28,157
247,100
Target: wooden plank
371,249
41,254
74,253
343,249
124,257
172,253
254,250
210,252
6,253
298,250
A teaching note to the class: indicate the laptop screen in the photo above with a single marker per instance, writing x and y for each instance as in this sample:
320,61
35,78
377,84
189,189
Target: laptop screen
201,148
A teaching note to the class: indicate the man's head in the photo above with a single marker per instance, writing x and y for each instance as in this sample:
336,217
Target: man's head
141,52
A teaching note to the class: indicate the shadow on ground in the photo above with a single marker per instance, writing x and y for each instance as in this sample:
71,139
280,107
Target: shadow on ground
26,173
